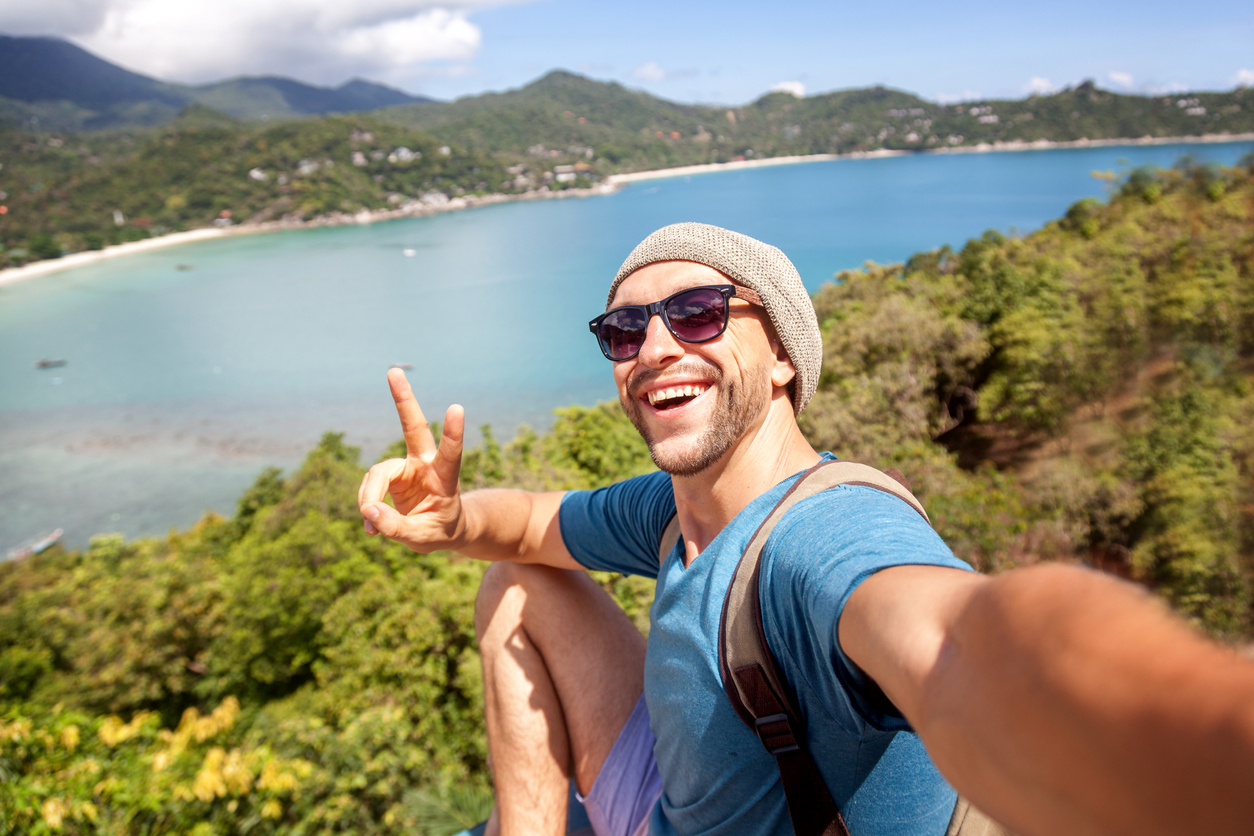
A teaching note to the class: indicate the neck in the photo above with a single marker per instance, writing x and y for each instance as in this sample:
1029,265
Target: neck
768,453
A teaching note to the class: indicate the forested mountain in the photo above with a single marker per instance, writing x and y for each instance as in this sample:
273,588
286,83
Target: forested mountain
67,88
1082,394
635,129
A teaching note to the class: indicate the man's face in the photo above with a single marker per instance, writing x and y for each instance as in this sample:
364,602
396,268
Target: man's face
693,402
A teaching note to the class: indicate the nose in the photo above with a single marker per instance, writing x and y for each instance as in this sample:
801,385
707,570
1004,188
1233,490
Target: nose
660,347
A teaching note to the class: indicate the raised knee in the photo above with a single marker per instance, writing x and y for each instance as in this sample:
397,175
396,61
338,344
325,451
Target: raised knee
499,581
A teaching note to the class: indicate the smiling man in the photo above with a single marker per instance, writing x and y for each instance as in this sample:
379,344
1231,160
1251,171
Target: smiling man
1059,701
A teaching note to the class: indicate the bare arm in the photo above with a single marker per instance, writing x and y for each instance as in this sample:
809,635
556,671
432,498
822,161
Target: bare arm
515,525
431,512
1059,700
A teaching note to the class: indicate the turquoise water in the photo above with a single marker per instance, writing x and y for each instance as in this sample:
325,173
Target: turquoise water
182,384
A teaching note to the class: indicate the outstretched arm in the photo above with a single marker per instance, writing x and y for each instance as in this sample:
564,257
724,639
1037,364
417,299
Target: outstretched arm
431,512
1059,700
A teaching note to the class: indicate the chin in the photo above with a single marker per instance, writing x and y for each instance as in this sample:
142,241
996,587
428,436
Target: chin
689,452
683,456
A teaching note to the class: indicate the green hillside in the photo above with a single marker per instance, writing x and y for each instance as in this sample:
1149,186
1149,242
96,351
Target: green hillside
623,126
1083,394
60,190
205,167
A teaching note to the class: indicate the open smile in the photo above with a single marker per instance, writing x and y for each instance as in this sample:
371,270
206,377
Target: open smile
667,398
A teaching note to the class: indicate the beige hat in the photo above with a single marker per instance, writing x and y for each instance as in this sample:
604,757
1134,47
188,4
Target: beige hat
757,266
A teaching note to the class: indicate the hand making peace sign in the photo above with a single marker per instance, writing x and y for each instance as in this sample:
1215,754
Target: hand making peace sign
424,484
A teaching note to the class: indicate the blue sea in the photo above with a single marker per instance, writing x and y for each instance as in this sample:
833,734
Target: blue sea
182,384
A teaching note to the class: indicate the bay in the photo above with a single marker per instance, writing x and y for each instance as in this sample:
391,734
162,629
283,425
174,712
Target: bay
181,384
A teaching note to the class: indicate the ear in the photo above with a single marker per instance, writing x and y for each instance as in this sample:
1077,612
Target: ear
782,370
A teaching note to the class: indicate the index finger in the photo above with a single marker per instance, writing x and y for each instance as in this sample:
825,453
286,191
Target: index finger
414,426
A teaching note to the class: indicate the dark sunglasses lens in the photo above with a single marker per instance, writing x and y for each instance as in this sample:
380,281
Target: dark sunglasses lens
698,315
622,332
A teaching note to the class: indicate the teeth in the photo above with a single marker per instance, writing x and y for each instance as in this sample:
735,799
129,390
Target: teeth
686,391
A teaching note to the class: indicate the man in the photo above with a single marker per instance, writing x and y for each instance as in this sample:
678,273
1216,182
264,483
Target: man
1057,700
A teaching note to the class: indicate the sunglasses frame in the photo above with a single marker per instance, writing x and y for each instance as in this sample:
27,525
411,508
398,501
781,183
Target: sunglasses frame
658,308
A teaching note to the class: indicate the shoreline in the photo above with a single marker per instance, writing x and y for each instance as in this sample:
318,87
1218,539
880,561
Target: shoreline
408,209
703,168
979,148
610,185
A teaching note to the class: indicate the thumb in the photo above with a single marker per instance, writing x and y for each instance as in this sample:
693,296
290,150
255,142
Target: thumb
382,518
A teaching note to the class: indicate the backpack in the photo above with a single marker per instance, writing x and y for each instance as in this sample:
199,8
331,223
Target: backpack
752,677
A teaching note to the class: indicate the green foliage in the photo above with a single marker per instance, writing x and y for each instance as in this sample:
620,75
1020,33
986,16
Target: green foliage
298,557
596,447
117,626
587,447
62,771
43,246
893,358
1188,536
1077,394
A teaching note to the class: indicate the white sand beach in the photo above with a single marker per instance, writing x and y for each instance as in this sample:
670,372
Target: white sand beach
686,170
72,260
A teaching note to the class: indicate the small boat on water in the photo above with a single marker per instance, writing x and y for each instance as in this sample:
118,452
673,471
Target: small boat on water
49,364
34,546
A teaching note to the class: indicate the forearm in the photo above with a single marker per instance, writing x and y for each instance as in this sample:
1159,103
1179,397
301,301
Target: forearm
1062,701
517,526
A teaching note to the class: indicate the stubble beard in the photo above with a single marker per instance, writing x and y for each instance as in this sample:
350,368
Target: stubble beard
737,406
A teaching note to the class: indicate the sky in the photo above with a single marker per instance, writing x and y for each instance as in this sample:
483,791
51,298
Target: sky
726,52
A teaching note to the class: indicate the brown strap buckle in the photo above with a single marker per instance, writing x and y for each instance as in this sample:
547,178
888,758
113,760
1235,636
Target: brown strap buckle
775,732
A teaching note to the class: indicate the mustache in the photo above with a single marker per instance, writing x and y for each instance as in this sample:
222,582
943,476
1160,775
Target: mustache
644,378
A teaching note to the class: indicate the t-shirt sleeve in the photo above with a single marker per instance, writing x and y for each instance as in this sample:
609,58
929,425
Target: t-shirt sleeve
818,554
618,529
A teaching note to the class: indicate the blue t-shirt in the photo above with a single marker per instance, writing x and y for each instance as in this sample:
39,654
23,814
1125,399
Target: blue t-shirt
717,779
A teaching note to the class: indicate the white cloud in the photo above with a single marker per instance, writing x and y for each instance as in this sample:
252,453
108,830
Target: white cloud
1122,79
651,71
1039,85
795,87
1244,78
1173,87
313,40
52,17
435,35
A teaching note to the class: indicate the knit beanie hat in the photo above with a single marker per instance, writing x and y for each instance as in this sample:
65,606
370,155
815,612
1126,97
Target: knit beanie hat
755,265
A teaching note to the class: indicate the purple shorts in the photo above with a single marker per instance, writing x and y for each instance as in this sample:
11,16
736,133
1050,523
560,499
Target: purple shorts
628,784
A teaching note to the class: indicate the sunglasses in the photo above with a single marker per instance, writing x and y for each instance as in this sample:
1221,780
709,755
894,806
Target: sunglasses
695,315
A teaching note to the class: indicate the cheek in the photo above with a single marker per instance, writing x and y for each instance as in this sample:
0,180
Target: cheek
622,373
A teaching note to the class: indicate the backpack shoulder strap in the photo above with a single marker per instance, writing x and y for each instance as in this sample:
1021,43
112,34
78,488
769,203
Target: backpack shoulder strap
751,675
